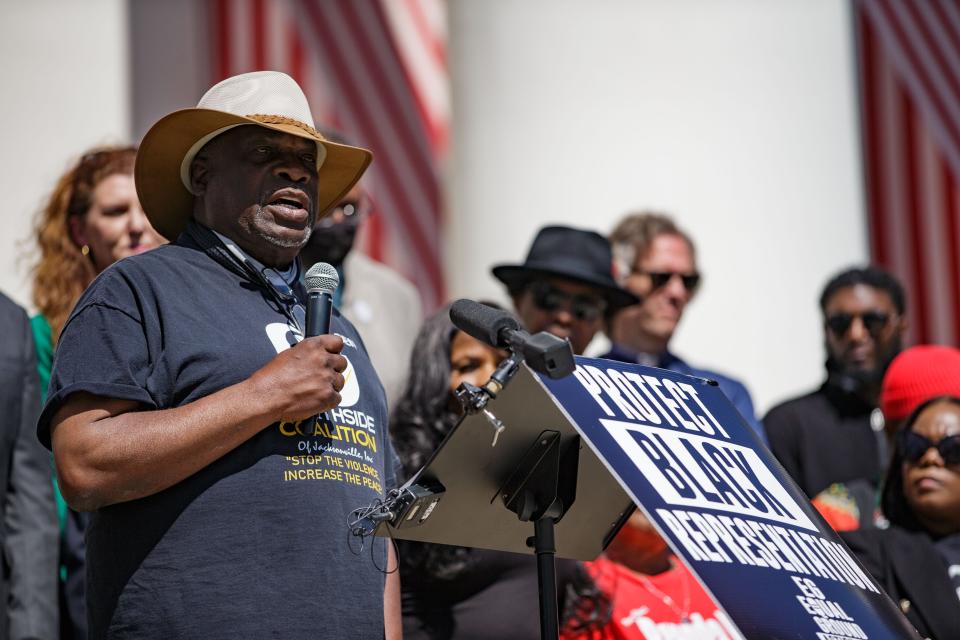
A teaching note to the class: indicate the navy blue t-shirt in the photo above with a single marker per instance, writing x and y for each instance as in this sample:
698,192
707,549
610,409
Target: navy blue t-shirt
255,545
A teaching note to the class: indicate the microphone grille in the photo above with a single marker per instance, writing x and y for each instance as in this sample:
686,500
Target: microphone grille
322,277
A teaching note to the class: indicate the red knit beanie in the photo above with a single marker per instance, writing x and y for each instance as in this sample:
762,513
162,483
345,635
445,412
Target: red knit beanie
917,375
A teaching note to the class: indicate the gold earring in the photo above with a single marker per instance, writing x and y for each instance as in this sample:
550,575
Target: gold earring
85,250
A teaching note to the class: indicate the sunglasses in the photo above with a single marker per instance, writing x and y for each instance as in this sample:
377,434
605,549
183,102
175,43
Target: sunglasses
913,446
550,299
660,279
873,321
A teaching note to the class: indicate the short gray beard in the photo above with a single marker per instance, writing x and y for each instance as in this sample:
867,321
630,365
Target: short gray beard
256,228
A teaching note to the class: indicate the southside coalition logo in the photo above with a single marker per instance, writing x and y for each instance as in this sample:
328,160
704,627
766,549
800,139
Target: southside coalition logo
282,338
341,445
350,393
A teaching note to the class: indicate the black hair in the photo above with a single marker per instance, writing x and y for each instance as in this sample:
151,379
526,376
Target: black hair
423,416
871,276
421,420
893,502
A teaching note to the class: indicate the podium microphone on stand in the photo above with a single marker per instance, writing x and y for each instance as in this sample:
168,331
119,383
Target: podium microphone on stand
322,281
543,352
539,490
486,324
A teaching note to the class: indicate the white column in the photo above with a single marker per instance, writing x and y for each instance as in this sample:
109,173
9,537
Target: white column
739,117
64,75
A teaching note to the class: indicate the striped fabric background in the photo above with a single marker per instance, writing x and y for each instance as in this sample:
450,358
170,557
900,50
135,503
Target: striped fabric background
909,69
375,70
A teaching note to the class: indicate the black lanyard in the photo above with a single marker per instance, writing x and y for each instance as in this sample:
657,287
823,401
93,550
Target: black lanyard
236,261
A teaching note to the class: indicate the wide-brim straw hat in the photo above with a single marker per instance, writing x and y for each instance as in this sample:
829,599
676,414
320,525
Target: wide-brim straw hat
268,99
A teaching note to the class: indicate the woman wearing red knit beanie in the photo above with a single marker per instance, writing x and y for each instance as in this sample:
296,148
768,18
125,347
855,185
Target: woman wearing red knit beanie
913,377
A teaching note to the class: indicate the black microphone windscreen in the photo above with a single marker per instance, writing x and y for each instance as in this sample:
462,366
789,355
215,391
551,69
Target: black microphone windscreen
482,322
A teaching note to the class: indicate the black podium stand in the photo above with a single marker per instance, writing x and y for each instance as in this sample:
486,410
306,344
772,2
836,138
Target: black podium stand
537,490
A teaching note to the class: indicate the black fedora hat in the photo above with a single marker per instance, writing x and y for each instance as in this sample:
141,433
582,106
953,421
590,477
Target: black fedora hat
574,254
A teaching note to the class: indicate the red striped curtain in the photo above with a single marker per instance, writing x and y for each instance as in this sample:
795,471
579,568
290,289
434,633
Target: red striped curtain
375,70
909,70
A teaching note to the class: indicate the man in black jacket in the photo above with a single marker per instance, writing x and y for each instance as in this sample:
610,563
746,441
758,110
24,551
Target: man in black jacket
28,533
831,441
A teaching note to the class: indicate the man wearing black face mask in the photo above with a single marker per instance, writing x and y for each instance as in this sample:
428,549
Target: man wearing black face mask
383,305
831,441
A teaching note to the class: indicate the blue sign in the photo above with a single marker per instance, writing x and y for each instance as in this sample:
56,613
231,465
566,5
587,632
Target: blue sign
725,505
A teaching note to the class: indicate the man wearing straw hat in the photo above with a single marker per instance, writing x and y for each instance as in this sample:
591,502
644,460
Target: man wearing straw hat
177,408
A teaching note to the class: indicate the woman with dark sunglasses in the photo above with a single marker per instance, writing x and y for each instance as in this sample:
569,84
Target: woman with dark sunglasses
917,559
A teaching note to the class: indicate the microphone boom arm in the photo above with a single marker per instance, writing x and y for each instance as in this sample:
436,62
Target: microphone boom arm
543,352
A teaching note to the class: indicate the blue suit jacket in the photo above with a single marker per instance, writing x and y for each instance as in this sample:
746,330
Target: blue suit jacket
735,391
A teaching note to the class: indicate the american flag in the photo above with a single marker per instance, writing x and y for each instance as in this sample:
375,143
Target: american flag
375,70
909,69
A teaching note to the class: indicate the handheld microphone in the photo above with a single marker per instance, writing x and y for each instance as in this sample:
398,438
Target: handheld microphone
322,281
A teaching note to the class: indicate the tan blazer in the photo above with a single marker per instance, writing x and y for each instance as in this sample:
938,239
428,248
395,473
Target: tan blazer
386,310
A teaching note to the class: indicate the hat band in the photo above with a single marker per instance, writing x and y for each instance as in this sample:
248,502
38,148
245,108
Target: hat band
267,118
